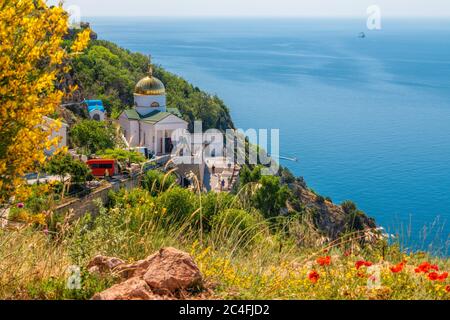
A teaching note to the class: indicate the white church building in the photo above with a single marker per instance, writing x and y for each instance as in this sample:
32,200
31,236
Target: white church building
150,123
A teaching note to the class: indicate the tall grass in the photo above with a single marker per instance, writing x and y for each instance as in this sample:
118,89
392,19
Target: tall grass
241,255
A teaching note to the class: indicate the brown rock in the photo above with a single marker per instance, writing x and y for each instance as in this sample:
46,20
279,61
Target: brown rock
160,276
102,264
170,270
136,269
132,289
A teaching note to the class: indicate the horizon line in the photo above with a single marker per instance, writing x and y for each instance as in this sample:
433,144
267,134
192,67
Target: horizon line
271,16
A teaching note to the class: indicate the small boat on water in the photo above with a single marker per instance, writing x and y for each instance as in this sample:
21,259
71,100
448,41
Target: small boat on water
362,35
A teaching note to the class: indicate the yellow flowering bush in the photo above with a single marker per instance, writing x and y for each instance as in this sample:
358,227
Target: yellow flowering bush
31,59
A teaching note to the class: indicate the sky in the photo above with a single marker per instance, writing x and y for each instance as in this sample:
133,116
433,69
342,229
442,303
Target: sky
259,8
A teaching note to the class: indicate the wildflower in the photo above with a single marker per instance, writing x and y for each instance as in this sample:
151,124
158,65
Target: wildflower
324,261
20,205
426,267
433,276
447,288
45,231
347,253
313,276
361,263
398,268
443,276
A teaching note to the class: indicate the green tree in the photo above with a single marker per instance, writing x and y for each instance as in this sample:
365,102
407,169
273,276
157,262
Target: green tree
123,156
247,175
110,73
92,136
271,196
62,164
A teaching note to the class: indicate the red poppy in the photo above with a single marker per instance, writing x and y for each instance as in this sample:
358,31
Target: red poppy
324,261
447,288
313,276
433,276
398,268
439,277
361,263
426,267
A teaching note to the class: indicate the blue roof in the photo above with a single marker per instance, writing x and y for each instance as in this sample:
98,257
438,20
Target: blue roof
94,105
94,102
99,108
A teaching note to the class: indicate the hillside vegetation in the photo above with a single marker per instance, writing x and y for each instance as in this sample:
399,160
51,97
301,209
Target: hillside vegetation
241,255
109,73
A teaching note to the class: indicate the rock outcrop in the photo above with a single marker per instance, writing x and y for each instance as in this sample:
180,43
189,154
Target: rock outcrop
330,219
161,276
171,270
131,289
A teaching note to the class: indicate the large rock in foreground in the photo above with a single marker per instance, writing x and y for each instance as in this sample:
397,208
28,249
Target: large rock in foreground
172,270
166,272
132,289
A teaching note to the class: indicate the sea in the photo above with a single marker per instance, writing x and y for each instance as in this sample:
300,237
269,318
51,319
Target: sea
368,118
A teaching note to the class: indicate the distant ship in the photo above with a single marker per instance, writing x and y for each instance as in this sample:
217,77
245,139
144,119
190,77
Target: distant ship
362,35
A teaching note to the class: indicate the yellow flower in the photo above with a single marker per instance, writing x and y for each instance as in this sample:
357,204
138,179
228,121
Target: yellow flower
31,59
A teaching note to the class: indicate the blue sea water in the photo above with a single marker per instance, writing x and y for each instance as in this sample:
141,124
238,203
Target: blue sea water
369,119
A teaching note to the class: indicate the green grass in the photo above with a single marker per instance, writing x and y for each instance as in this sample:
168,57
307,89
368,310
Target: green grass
241,255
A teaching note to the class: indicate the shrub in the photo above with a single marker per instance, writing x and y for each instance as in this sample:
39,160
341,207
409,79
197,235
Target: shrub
123,156
213,203
320,199
248,175
31,210
287,176
92,136
349,206
271,196
133,198
180,205
156,181
63,164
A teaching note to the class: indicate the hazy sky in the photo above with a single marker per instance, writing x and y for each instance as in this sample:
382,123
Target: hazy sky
408,8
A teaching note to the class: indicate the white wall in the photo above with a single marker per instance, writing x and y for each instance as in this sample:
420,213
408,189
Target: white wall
144,101
131,130
125,125
61,134
148,130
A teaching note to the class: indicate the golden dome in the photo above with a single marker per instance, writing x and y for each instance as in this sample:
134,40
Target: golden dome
150,86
